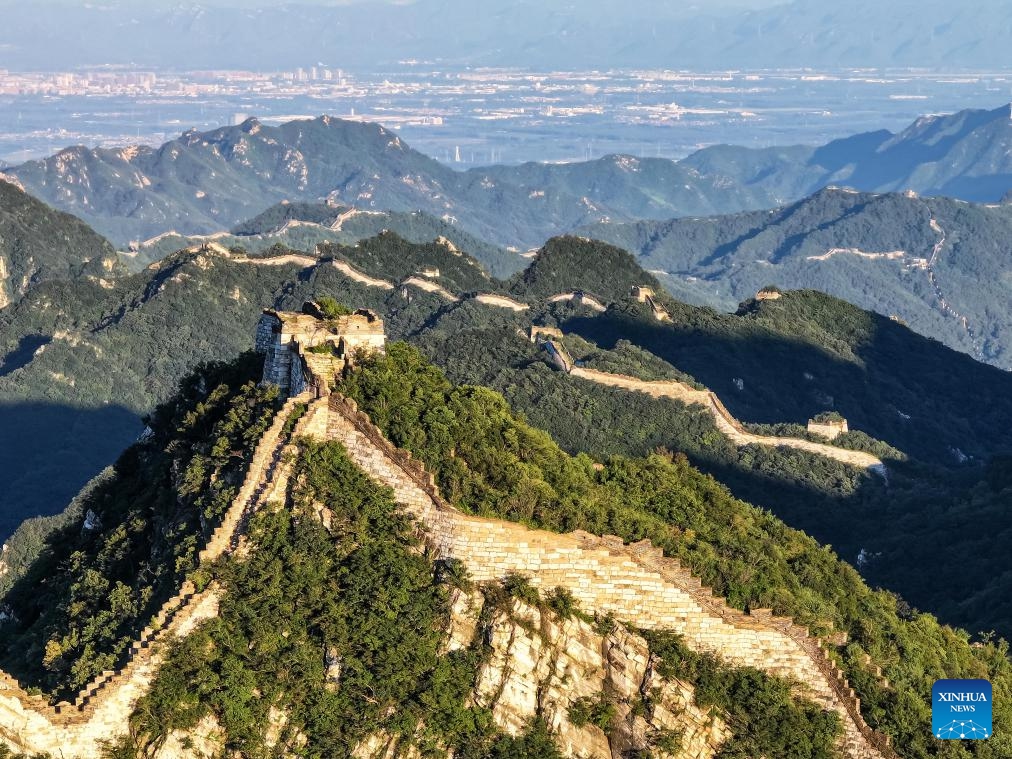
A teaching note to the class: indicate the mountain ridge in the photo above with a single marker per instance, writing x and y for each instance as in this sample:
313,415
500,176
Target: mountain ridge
328,492
202,183
938,264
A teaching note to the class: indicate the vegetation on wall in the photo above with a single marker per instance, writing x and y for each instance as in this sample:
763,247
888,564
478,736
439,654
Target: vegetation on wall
858,513
330,635
336,628
763,717
100,578
490,462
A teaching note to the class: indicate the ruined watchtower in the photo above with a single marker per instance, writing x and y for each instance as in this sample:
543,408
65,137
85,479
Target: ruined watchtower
645,294
642,293
828,426
307,347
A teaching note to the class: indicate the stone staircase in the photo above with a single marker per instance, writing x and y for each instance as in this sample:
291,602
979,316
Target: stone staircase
101,710
635,583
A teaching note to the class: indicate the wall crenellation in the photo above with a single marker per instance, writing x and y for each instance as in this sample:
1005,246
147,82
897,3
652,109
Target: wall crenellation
101,709
636,582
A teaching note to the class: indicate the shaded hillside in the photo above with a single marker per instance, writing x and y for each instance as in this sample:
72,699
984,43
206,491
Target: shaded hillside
128,344
791,358
335,534
86,360
39,244
856,513
942,266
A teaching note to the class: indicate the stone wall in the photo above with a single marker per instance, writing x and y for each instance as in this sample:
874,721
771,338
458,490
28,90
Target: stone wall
635,583
490,299
268,325
581,298
829,430
354,274
726,423
102,709
430,287
560,356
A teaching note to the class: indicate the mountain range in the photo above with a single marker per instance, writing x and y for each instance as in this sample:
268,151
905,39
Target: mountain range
942,266
208,182
104,355
91,354
87,359
549,35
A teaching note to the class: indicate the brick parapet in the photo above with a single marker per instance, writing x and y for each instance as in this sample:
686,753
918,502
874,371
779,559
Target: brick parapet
101,709
634,582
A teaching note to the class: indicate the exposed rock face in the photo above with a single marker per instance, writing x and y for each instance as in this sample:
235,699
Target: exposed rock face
634,583
205,741
541,665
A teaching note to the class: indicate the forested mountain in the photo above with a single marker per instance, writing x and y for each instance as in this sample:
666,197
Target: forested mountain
209,182
111,353
942,266
330,628
39,244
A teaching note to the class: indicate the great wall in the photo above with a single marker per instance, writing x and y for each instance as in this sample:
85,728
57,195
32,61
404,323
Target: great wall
634,583
101,710
726,423
687,394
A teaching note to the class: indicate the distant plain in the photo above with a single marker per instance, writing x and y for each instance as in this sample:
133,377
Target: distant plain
487,116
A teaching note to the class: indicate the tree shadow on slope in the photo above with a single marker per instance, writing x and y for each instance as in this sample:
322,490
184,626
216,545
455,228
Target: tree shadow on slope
49,451
932,403
935,517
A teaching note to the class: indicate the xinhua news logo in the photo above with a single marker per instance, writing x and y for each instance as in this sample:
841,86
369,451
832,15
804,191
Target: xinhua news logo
961,709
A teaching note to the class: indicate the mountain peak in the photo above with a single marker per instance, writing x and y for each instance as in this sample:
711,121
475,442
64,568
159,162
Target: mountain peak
250,125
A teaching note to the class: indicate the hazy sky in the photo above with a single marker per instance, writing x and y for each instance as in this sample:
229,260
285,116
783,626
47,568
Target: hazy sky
701,4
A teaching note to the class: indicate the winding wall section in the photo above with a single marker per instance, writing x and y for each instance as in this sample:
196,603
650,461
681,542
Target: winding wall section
635,583
101,710
726,423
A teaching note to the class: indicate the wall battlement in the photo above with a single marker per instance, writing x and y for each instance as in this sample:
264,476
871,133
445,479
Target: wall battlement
101,710
300,346
725,421
829,428
635,583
